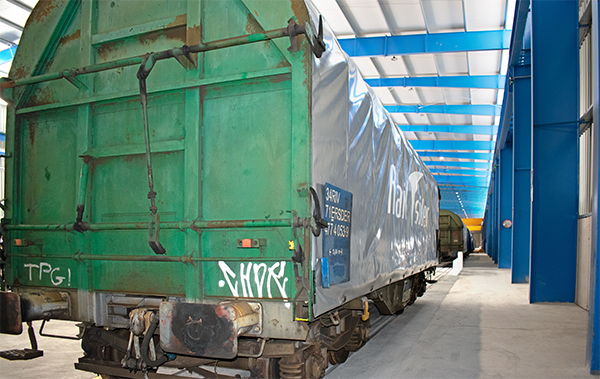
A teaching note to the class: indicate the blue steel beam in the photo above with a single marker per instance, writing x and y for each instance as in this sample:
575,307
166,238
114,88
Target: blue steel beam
475,110
452,145
462,180
482,156
426,43
472,199
467,172
480,165
488,130
517,38
465,81
7,55
471,194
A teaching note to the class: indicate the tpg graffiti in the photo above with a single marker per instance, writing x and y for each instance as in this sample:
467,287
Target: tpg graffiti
46,268
254,276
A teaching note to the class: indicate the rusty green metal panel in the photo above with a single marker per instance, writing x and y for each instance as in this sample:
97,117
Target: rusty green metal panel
230,140
451,239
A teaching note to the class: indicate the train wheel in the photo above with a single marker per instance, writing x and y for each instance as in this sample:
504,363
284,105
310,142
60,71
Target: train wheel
337,356
306,364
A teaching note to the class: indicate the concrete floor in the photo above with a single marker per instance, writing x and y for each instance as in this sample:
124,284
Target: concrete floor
475,325
59,354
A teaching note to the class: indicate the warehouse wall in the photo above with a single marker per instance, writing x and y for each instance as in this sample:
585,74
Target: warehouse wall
584,229
584,256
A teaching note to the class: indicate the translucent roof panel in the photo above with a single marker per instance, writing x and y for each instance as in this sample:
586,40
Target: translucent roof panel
484,62
461,119
483,96
431,95
404,17
452,64
421,65
399,118
384,94
484,14
481,137
443,16
335,18
366,67
390,67
365,16
456,95
463,137
483,120
439,119
407,95
417,119
4,68
426,136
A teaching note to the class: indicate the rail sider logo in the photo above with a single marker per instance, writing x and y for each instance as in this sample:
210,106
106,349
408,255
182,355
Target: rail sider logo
398,203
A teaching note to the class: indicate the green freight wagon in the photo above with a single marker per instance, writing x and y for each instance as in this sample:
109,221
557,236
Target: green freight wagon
205,181
454,236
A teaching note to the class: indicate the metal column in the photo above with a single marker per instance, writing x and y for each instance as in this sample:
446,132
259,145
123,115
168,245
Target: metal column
491,224
555,53
496,212
593,340
522,134
505,206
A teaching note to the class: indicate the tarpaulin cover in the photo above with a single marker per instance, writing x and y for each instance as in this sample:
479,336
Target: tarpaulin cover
358,149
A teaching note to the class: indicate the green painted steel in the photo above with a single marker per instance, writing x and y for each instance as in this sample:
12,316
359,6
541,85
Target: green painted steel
229,141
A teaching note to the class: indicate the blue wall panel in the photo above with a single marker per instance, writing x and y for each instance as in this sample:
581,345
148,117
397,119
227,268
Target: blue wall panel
555,152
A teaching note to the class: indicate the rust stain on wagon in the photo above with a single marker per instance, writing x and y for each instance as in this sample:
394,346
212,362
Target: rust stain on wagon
43,96
21,72
279,78
252,26
43,9
32,125
70,37
105,51
179,21
193,34
300,11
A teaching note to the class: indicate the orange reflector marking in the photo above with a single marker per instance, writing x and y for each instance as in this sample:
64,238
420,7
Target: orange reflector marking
18,242
246,242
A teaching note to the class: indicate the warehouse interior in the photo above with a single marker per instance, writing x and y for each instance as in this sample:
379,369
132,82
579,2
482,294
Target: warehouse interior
485,92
